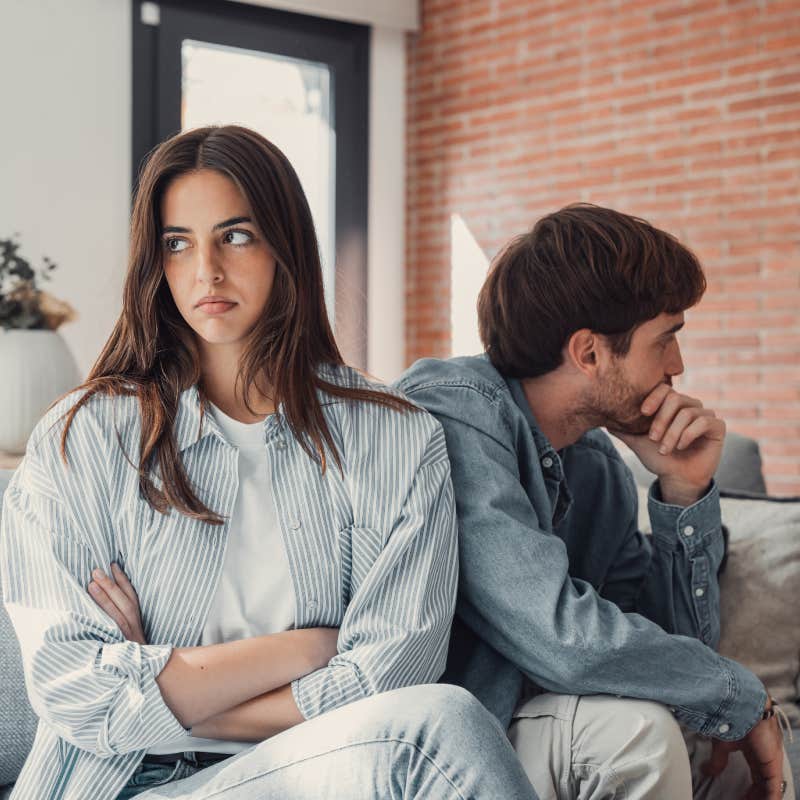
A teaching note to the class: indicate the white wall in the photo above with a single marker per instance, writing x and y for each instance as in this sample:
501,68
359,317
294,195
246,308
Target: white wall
65,150
399,14
65,143
386,235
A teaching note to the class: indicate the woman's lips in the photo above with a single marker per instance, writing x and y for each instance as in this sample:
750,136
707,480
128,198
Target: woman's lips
216,307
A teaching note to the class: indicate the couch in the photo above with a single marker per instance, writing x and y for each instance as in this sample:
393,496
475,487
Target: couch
759,597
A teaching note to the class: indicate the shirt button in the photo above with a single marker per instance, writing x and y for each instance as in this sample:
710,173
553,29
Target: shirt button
724,728
699,592
312,606
688,530
547,462
294,524
674,710
281,444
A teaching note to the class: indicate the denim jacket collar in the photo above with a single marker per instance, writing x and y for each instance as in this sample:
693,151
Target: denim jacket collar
543,446
549,459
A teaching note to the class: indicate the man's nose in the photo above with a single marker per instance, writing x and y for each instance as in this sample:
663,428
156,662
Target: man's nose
675,364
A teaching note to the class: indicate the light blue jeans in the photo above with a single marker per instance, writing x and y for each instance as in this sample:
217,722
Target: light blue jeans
435,742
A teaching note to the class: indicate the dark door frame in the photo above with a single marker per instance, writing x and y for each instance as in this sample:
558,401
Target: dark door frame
343,46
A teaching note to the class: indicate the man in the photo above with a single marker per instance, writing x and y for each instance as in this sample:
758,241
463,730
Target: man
564,606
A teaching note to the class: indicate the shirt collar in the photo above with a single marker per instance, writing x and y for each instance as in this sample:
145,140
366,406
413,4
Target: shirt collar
191,426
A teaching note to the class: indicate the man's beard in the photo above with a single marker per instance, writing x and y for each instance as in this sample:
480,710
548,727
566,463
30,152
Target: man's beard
616,404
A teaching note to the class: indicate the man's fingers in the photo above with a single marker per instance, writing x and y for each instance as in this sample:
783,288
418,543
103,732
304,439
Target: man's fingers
718,759
652,402
707,426
683,420
767,776
102,599
672,405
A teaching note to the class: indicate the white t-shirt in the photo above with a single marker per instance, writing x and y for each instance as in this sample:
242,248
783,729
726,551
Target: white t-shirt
255,595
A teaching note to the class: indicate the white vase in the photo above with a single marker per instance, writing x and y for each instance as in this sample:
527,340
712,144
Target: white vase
36,367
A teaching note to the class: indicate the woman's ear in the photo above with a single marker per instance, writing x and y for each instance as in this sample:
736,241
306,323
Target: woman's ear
584,351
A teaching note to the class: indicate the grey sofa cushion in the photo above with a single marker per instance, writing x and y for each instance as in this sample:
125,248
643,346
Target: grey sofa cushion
17,720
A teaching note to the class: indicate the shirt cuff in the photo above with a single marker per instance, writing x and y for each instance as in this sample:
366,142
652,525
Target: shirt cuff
150,719
326,689
693,527
740,710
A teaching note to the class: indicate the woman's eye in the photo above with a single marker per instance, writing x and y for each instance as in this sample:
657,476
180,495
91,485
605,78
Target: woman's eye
175,245
237,237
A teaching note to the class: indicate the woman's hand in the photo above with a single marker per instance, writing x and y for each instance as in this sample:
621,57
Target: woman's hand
117,597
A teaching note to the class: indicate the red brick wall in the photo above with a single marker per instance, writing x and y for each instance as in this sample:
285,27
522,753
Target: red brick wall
686,113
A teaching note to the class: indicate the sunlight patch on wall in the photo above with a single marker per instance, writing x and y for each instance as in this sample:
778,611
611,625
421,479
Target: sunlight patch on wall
468,267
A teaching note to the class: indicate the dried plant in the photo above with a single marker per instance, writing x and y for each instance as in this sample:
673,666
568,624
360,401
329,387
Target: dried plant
23,305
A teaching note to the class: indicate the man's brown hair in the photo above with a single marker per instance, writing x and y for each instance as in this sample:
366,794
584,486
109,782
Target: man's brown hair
581,267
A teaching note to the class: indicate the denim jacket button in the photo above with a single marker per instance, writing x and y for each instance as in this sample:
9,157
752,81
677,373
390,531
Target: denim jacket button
688,530
724,728
700,592
547,462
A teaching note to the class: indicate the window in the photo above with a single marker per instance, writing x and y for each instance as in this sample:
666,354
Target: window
298,80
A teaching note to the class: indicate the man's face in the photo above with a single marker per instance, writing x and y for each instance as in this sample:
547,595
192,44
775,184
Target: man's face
654,358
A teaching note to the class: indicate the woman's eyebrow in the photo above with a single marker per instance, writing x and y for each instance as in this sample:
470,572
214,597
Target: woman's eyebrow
226,224
231,221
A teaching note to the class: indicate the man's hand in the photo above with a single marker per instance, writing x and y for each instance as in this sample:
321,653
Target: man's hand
763,749
117,597
683,447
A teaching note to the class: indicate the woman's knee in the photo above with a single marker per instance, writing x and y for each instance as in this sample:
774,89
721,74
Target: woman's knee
442,701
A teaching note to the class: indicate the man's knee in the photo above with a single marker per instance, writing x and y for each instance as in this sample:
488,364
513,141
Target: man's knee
627,728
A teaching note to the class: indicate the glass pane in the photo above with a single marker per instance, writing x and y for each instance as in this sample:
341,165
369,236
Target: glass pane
285,99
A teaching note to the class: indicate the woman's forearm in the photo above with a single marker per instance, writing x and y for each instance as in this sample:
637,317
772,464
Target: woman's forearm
201,682
254,720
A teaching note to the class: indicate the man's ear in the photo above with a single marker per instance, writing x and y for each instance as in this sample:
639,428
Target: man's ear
584,351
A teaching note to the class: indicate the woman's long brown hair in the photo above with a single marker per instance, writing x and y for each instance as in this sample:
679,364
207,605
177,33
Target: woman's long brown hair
151,352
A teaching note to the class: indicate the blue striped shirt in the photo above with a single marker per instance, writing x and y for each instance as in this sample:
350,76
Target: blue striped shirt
372,550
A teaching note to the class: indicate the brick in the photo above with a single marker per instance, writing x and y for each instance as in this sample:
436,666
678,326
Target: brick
685,113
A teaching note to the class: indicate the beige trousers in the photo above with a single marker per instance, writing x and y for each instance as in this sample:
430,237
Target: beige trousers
604,748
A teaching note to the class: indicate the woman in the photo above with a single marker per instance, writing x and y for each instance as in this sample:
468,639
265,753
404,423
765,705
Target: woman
288,527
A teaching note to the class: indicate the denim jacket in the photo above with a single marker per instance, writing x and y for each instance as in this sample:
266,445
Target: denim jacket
557,584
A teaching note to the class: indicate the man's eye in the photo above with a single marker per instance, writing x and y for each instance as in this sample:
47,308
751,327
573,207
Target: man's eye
175,245
238,237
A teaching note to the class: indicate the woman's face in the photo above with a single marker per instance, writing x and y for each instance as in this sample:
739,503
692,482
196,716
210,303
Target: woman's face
217,264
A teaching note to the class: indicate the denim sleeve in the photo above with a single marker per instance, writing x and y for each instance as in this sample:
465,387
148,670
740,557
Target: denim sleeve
516,594
671,576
